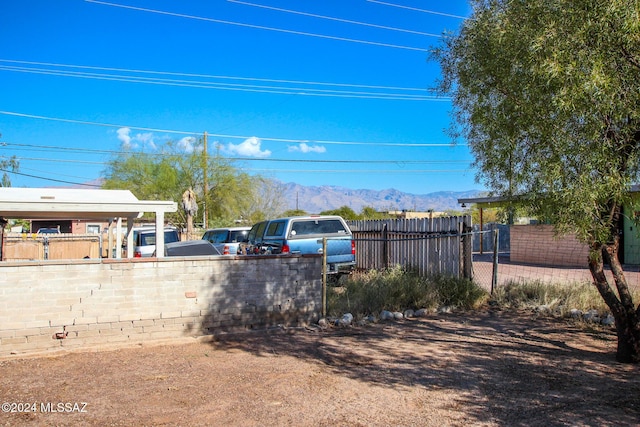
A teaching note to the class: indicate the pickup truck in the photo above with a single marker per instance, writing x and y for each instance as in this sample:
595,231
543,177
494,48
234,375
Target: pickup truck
304,235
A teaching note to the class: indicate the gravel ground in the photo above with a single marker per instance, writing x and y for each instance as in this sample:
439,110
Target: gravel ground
485,368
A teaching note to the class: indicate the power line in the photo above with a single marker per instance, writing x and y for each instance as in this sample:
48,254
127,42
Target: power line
260,27
50,160
228,86
283,140
324,171
432,12
58,148
50,179
221,77
22,168
366,171
53,148
331,18
254,159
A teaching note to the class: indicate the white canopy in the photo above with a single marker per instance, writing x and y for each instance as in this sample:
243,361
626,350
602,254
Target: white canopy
72,203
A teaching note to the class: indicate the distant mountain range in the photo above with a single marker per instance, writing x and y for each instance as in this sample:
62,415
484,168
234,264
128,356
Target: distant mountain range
314,199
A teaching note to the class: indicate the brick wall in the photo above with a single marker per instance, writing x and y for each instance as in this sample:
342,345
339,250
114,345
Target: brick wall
57,305
538,244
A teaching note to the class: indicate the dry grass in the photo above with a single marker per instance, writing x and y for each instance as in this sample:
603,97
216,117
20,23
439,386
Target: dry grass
398,289
558,298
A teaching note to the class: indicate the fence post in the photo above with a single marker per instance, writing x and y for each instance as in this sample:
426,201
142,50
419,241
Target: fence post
324,277
466,248
385,246
494,277
45,244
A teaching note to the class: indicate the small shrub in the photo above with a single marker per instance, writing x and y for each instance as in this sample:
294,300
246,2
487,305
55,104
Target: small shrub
461,293
398,289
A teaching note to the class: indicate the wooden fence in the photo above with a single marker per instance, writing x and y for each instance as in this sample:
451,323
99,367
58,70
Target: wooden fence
430,245
31,246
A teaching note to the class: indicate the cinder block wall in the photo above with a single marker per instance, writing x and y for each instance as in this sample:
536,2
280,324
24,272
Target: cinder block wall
54,305
538,244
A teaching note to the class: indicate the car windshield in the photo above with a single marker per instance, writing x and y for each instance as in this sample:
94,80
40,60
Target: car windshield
256,232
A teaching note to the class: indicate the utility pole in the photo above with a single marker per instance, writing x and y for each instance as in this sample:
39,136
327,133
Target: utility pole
205,173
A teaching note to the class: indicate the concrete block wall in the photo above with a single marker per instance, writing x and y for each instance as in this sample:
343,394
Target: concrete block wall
55,305
538,244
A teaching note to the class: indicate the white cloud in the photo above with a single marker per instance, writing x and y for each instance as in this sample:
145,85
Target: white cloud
123,136
146,139
134,141
187,144
250,147
306,148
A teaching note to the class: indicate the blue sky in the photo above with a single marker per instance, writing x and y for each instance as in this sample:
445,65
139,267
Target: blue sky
325,92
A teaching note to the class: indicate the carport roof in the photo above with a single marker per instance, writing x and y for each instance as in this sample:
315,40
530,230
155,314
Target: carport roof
71,203
497,201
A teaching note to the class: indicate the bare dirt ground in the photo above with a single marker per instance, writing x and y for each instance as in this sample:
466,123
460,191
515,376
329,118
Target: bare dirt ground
487,368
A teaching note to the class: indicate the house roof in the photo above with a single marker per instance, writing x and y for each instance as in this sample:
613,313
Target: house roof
56,203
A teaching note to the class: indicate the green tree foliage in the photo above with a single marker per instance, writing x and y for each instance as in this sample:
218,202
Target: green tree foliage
267,201
7,166
344,211
547,94
294,212
166,173
369,212
488,215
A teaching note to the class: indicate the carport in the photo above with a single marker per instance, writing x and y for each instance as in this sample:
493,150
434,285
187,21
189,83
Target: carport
71,203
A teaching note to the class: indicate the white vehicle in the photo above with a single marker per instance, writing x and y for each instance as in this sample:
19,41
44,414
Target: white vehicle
144,240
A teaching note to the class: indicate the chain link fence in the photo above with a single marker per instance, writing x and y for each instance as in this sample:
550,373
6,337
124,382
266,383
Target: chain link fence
494,268
451,246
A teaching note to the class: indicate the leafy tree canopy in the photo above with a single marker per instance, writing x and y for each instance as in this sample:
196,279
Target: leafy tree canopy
547,95
294,212
344,211
7,166
369,212
165,174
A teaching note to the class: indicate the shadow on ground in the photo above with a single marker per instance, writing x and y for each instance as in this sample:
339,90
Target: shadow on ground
505,368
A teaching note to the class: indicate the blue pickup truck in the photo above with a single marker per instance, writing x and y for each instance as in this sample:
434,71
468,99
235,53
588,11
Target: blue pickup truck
304,235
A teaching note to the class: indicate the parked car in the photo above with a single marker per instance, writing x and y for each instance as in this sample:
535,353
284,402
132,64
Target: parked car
227,240
144,240
304,235
49,230
190,248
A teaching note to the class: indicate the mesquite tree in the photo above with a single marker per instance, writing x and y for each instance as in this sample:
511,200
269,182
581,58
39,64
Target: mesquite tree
164,173
547,95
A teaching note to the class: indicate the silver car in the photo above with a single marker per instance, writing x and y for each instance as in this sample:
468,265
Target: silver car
227,240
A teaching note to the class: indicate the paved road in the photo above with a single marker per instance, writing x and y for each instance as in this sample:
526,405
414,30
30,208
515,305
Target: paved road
508,271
